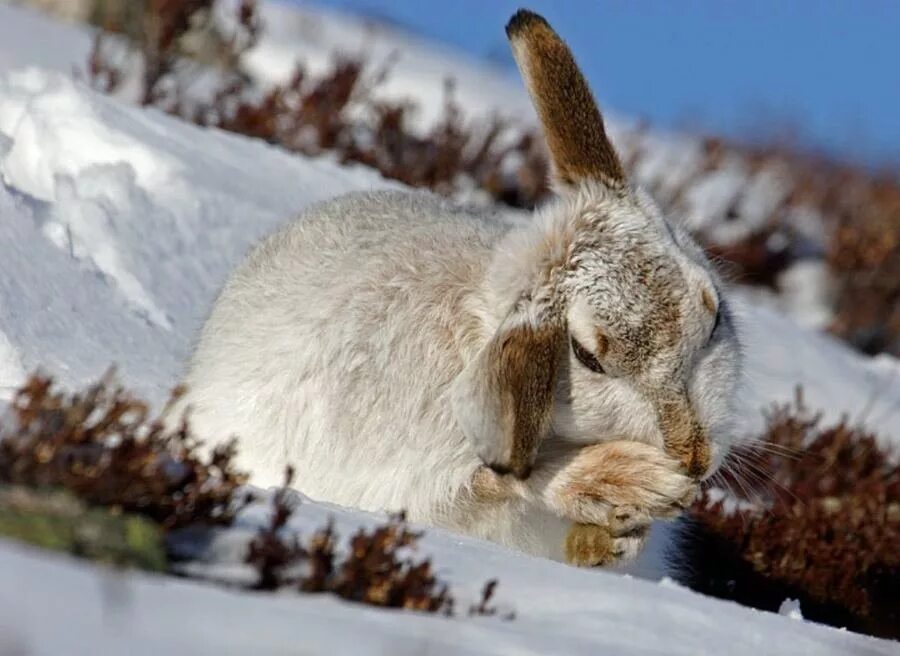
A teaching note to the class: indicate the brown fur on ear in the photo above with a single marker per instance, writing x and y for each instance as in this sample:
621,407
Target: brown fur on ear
571,119
524,362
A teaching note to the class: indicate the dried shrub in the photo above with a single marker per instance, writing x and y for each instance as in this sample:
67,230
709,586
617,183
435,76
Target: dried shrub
375,569
824,528
372,572
752,260
484,606
269,553
315,114
102,446
168,34
864,256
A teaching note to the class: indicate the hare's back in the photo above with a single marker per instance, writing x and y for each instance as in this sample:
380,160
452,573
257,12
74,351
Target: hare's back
347,323
365,258
373,231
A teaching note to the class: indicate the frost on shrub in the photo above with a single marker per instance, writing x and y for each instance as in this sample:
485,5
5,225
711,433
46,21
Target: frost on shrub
824,529
102,446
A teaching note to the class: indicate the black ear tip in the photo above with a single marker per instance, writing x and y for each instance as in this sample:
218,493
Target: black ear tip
523,20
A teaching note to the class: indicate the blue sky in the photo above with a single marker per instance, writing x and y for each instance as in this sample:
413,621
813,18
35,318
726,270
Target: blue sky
826,72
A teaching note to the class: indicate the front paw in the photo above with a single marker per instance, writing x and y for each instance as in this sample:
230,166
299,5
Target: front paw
621,485
590,545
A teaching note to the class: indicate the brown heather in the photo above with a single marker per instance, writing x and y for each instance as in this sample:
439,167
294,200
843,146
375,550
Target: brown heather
102,447
374,570
827,532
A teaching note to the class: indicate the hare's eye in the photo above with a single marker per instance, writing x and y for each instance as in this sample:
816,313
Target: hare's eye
716,324
585,357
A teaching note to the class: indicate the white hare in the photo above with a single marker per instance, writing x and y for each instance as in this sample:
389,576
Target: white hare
552,386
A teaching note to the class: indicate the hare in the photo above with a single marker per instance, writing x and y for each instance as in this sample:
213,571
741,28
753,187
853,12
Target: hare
551,385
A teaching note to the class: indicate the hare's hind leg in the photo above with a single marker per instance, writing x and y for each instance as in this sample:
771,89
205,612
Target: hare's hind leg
501,509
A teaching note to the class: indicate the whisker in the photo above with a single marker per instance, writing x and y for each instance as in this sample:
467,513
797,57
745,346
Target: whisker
761,475
765,446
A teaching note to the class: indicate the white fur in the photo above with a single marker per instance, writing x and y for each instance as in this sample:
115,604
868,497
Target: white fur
401,353
335,346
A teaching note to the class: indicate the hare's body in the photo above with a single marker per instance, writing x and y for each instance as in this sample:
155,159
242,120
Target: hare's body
552,384
326,371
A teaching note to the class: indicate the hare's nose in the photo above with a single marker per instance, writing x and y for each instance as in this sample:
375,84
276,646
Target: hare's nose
685,437
697,462
695,453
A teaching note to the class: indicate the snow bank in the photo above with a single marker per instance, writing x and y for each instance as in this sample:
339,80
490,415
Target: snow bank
132,220
75,608
28,38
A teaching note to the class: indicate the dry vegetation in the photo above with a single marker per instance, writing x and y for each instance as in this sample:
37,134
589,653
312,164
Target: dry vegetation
372,571
71,464
317,114
376,569
824,526
102,447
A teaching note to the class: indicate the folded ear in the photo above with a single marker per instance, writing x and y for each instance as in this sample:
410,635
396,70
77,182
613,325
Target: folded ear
569,115
503,399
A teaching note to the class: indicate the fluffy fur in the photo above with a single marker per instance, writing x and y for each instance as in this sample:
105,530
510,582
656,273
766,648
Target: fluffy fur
404,353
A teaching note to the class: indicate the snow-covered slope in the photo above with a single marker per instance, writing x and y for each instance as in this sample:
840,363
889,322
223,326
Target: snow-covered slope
117,227
29,38
52,606
132,220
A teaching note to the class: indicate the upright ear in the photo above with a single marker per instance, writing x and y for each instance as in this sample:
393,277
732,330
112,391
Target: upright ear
503,399
573,126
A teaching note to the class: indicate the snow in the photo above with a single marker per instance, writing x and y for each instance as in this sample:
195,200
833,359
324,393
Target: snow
133,220
790,608
557,610
780,355
12,375
30,39
418,69
117,227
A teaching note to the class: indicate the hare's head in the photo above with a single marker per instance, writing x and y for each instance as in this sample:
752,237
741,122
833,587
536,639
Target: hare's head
613,324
